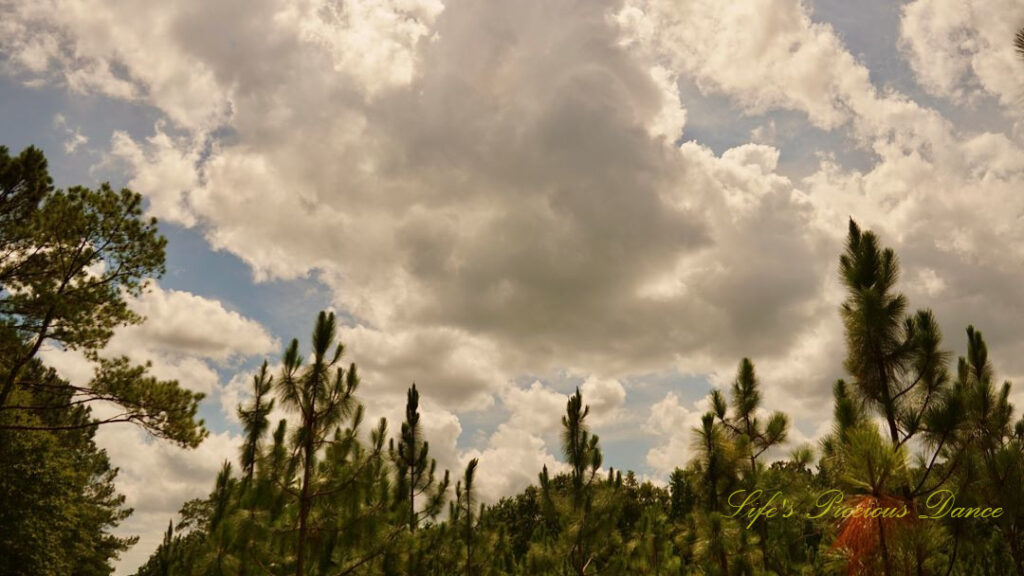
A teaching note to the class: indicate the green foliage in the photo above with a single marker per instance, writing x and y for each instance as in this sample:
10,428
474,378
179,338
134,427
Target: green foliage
57,487
416,471
68,261
579,515
255,421
323,395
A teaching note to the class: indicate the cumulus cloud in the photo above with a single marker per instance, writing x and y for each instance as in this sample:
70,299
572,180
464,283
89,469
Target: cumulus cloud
97,47
182,322
528,439
164,172
511,462
449,366
537,408
373,41
519,446
513,201
186,337
156,478
605,397
73,136
672,423
926,175
494,210
962,50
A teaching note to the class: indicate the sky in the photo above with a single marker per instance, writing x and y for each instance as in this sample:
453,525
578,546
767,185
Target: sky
506,200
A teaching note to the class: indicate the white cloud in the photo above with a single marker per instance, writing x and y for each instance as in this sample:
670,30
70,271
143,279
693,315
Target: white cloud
605,397
511,462
528,439
157,477
672,423
537,409
449,366
670,120
165,172
375,42
185,323
763,54
97,47
74,136
962,50
467,239
183,333
938,194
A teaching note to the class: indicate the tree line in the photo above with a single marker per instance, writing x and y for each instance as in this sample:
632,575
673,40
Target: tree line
327,493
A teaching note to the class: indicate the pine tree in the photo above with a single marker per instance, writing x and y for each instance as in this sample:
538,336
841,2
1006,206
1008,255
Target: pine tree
416,470
752,438
69,261
323,395
895,359
715,465
465,499
582,450
416,475
255,421
900,372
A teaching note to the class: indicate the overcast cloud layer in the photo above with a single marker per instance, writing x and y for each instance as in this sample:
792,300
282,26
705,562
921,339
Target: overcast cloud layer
506,199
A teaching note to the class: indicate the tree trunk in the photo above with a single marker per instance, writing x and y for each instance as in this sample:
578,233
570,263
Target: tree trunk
304,505
723,563
885,548
307,476
469,534
1016,552
20,363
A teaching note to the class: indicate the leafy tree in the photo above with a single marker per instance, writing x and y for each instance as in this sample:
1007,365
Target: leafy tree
57,488
68,261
